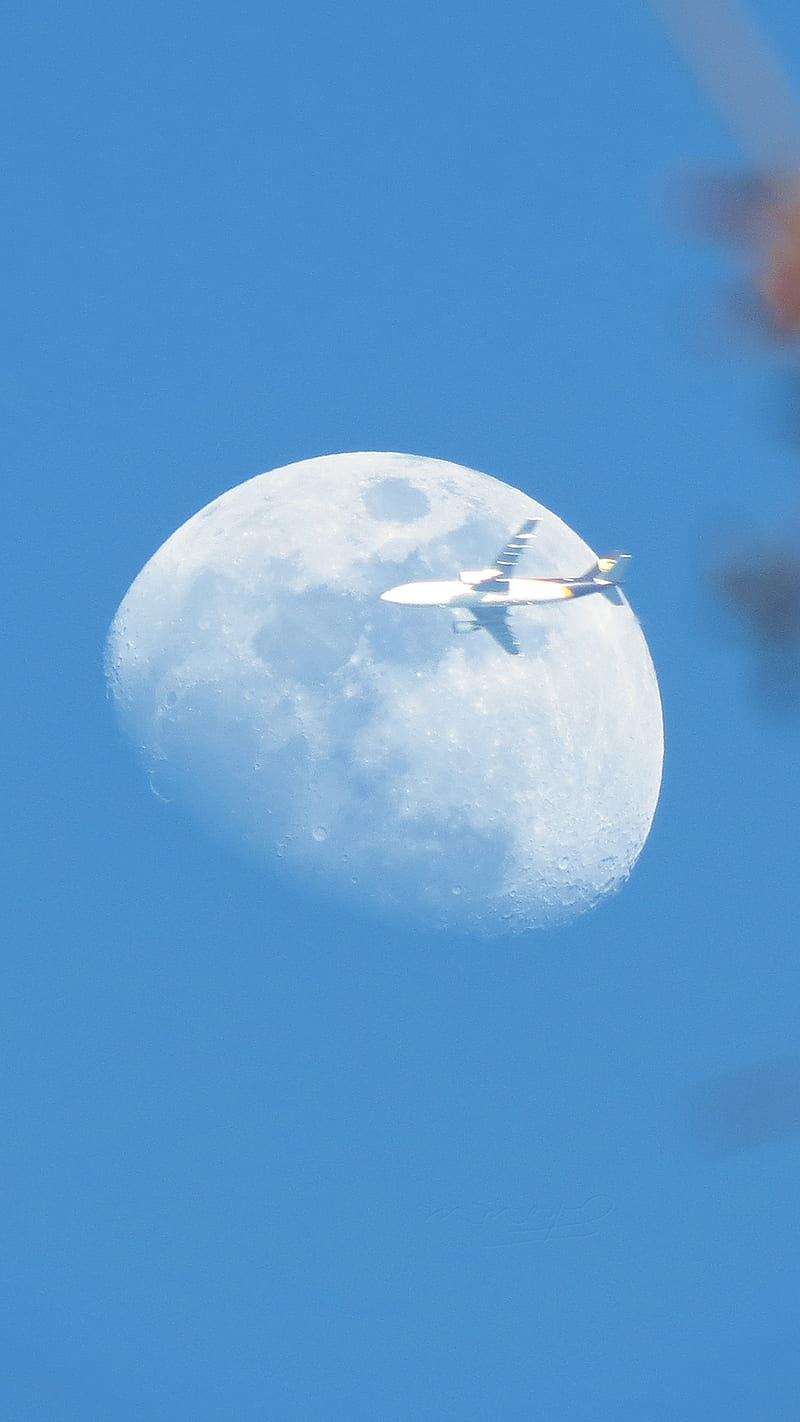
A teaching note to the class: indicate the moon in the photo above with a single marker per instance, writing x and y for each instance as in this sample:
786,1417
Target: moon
357,747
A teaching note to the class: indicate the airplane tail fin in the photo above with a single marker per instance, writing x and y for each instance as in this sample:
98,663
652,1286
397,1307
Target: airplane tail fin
610,569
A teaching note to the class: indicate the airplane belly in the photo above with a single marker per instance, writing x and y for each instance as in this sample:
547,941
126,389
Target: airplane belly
438,594
523,590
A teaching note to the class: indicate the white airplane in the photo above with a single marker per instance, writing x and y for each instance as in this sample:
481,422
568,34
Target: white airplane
481,597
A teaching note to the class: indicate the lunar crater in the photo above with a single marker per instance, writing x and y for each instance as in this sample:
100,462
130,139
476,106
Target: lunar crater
396,500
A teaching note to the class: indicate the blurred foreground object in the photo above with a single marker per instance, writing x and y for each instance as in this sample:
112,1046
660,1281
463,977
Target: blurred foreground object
751,1105
759,211
761,217
760,582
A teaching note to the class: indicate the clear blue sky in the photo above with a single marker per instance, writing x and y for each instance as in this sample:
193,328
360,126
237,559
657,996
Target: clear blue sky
260,1162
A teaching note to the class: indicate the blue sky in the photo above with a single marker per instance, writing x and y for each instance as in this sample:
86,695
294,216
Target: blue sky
261,1161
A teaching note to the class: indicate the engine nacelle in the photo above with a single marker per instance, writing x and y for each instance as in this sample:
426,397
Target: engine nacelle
463,626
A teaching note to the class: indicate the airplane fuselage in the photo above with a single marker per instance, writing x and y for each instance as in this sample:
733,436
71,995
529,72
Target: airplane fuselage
521,592
482,597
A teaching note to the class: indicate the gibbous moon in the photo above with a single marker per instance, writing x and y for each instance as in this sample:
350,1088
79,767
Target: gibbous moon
359,747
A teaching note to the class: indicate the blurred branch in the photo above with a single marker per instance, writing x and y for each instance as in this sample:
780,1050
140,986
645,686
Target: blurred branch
742,75
759,211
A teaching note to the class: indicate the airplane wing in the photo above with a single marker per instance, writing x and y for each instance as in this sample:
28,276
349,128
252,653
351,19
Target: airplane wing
506,560
495,622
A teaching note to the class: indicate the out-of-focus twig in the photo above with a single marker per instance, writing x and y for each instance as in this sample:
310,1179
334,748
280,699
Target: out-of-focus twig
751,1105
763,588
743,76
759,583
759,211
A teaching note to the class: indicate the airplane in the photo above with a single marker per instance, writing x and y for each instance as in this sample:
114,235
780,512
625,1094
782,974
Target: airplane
482,597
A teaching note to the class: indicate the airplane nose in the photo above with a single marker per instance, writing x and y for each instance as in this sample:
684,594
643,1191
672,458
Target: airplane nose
392,595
